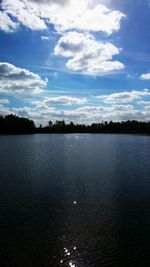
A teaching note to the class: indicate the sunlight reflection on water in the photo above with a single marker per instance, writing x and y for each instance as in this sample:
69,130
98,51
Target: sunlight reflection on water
69,257
75,200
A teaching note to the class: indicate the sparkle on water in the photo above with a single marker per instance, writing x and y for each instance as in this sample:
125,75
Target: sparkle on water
93,205
70,257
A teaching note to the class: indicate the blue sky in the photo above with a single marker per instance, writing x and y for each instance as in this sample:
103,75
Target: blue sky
82,61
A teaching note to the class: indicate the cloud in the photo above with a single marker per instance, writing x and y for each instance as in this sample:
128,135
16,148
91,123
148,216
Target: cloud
4,111
44,38
147,108
72,16
17,80
6,23
123,97
30,112
24,13
80,16
122,107
86,114
48,2
90,114
4,101
90,109
64,15
144,103
88,55
42,111
59,100
145,76
38,115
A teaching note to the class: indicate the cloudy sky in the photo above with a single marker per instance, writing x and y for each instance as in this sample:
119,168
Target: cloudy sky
78,60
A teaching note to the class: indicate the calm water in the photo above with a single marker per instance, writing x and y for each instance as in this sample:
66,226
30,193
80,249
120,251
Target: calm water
82,200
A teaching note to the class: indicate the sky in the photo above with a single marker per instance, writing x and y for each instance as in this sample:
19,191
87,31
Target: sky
79,60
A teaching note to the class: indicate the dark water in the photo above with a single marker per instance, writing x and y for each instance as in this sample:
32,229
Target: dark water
82,200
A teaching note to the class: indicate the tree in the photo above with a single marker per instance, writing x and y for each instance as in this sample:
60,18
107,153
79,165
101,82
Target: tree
50,123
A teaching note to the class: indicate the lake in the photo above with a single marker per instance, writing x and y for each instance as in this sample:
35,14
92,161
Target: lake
77,200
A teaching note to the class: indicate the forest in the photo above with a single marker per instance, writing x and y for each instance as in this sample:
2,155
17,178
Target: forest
12,124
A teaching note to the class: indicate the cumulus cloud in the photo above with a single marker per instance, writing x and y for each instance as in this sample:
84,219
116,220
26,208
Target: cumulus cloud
122,107
88,55
147,108
23,12
145,76
123,97
4,111
44,38
30,112
17,80
90,109
144,103
92,57
83,114
63,14
98,114
39,116
48,2
79,15
4,101
86,114
60,100
6,23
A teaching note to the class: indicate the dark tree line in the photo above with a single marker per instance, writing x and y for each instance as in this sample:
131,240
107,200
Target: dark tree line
103,127
12,124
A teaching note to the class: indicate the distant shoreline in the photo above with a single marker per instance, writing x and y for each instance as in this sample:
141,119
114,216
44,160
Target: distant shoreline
61,133
12,124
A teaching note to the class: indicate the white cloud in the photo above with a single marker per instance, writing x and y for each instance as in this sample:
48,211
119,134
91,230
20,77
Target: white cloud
6,23
145,76
90,109
30,112
39,116
122,107
24,13
48,2
79,15
4,111
123,97
44,38
85,114
64,15
60,100
17,80
4,101
144,103
88,55
95,58
92,114
147,108
26,112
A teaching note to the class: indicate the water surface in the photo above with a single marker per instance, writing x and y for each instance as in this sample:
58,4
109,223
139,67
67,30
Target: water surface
78,199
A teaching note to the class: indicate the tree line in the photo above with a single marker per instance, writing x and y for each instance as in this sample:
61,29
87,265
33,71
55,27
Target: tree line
12,124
